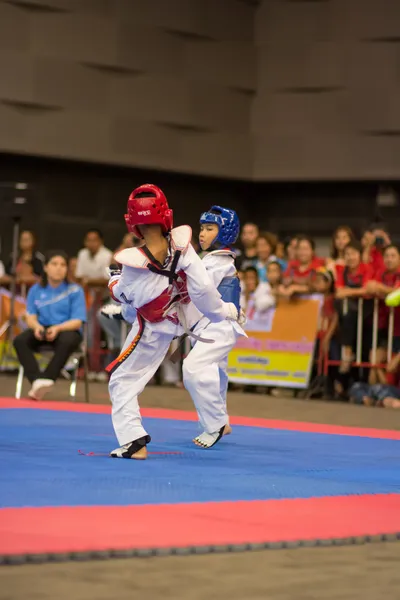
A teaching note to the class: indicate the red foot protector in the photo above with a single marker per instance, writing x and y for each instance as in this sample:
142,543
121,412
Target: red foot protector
69,529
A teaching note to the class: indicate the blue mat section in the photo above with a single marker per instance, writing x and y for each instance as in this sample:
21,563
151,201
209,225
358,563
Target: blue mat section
41,465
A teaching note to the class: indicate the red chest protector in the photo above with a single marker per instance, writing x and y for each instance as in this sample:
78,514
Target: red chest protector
176,290
154,311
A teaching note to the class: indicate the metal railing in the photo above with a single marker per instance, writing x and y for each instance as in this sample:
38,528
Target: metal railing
372,363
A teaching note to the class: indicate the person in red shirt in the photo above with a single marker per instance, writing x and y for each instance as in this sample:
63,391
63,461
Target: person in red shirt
350,286
299,276
386,281
342,236
374,241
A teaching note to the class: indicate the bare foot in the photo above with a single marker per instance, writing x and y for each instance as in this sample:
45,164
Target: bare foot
391,402
367,401
140,454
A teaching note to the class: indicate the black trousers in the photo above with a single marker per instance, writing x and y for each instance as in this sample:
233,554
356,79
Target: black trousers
63,346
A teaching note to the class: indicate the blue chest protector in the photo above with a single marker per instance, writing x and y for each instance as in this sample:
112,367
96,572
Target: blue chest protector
229,288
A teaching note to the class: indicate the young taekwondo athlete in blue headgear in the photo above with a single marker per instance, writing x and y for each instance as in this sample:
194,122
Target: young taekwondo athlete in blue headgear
204,369
227,231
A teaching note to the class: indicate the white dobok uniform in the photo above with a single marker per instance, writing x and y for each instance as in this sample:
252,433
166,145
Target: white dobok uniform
161,307
205,368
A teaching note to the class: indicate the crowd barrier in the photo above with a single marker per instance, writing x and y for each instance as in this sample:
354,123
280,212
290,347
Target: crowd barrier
279,350
361,326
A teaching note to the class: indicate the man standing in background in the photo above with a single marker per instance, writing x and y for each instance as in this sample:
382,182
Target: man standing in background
91,272
93,260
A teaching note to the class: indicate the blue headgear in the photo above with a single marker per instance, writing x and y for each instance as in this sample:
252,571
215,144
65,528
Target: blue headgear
227,221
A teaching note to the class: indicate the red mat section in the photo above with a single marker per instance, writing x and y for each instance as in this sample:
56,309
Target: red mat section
43,530
180,415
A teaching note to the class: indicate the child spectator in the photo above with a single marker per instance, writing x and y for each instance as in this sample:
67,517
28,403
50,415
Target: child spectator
266,246
385,394
328,343
299,276
350,286
256,296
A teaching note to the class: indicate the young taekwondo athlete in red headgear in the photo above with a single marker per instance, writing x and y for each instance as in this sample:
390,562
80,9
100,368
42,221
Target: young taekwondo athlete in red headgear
147,205
166,284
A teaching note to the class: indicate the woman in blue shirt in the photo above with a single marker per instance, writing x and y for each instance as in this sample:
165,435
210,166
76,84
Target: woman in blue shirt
56,310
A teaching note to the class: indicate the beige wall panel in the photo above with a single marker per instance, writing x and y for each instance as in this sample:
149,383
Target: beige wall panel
68,134
374,19
50,5
220,109
375,110
327,157
297,65
16,76
151,98
149,49
70,85
14,29
283,22
186,16
229,20
130,136
230,64
214,19
81,38
12,128
373,64
218,154
301,114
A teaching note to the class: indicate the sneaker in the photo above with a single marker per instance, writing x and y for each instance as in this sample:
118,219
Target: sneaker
39,388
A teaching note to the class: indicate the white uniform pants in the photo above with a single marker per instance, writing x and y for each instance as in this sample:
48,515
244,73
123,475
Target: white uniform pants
142,354
205,376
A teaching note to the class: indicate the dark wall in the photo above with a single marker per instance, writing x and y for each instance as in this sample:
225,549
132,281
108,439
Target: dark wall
68,198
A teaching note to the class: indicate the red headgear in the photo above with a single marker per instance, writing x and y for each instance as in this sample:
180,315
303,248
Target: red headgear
147,205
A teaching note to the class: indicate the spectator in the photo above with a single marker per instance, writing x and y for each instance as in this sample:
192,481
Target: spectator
385,282
248,238
291,248
385,394
93,260
328,341
113,327
351,285
274,276
91,272
299,276
266,246
29,267
55,314
342,236
374,240
324,284
280,252
256,296
73,261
